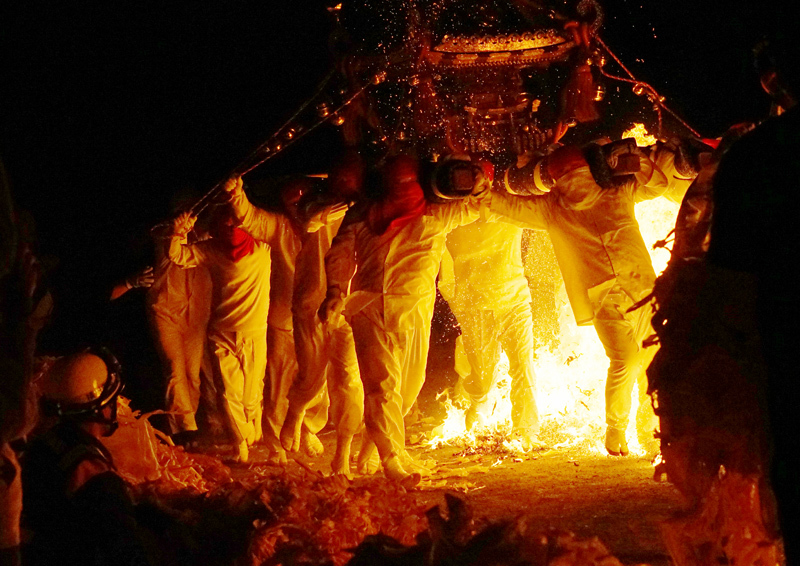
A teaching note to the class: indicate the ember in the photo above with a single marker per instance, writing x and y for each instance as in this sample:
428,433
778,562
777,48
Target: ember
141,456
571,373
460,110
270,515
317,521
456,539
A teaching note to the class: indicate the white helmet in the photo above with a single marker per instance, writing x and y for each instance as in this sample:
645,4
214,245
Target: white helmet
81,385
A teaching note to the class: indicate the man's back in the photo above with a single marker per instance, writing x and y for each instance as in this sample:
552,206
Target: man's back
87,524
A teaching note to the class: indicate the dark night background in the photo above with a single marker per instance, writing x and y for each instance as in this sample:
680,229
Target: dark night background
108,108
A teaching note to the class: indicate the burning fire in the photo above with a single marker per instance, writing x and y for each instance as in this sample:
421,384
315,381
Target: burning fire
640,134
570,387
656,217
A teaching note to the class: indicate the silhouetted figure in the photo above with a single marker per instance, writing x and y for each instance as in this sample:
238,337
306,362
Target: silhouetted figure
754,235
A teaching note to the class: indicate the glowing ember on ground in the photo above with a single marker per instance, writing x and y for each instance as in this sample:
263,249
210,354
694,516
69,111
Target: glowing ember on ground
570,388
570,396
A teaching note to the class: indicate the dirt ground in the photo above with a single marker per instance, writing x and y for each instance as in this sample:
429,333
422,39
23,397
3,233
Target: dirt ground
615,499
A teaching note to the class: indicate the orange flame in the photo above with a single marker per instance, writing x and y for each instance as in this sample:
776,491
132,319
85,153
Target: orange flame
570,388
640,134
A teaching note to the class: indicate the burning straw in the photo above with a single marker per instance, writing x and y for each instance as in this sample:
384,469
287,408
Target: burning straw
570,375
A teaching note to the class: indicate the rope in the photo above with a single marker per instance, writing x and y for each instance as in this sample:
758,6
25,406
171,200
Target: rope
291,119
640,87
203,202
206,199
303,133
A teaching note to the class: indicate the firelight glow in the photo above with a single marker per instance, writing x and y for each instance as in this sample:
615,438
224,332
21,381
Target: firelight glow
640,134
570,387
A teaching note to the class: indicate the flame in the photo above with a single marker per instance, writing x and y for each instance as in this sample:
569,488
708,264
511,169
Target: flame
570,386
639,132
656,219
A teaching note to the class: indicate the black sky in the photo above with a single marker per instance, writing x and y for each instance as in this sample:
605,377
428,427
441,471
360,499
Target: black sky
108,107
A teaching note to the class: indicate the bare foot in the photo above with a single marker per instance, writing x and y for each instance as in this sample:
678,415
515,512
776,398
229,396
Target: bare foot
310,444
244,453
277,456
529,440
290,431
368,460
341,459
393,470
616,444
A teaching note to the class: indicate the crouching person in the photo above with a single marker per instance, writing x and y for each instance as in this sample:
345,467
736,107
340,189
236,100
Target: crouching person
79,509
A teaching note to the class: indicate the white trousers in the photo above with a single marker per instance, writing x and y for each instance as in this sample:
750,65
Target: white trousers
483,333
282,369
621,334
326,354
239,362
181,349
392,366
